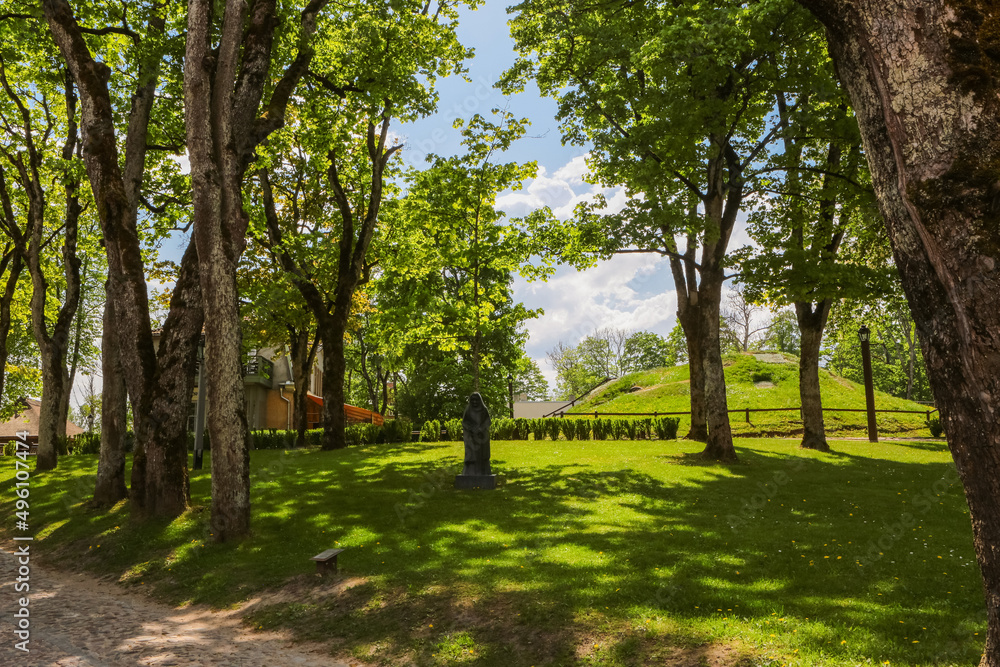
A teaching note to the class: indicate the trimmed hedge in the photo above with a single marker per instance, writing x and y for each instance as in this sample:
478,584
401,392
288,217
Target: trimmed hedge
554,428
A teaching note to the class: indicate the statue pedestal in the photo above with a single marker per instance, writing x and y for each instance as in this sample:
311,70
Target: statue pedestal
475,481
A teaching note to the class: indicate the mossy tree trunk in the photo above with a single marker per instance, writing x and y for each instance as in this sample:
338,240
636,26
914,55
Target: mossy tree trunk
923,77
160,398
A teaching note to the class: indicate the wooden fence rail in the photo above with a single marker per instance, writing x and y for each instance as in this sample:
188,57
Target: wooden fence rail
747,411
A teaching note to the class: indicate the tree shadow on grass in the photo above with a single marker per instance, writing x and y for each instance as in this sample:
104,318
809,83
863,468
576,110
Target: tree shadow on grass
815,548
788,549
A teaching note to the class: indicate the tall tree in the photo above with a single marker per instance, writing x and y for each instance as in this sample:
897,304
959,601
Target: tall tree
159,386
11,267
224,85
472,249
331,169
923,78
683,127
35,123
814,210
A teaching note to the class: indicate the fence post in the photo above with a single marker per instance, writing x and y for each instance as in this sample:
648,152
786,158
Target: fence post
748,415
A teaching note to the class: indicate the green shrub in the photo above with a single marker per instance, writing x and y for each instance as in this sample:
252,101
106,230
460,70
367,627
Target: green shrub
539,429
644,427
555,428
666,428
631,428
522,427
397,430
582,429
568,428
502,429
314,437
618,429
87,443
454,429
430,431
363,434
10,448
934,424
600,427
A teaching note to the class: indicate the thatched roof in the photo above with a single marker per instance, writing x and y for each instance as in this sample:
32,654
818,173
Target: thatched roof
28,420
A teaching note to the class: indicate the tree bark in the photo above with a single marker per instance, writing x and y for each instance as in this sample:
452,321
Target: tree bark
812,321
690,318
303,356
12,263
719,446
160,484
110,485
691,324
923,78
223,89
160,400
334,368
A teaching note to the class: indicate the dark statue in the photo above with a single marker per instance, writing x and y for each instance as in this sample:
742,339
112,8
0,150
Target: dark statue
477,473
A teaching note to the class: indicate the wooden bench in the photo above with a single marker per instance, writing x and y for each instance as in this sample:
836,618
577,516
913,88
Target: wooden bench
327,561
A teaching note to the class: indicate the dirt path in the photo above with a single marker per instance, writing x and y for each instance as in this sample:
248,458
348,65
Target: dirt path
77,621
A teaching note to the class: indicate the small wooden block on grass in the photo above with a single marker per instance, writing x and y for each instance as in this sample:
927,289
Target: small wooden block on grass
327,561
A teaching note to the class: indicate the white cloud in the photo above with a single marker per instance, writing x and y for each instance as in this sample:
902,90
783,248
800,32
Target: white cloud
620,292
633,291
561,191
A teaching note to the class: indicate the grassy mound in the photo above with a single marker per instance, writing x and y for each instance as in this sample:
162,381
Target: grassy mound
592,553
756,384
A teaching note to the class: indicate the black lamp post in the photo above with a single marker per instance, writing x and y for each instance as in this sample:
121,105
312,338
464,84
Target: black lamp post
510,390
866,359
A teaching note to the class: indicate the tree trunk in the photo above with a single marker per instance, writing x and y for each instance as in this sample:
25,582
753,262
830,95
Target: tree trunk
334,327
688,314
110,486
14,264
303,356
227,420
52,386
691,325
223,89
812,321
74,356
52,345
164,490
923,78
719,446
116,195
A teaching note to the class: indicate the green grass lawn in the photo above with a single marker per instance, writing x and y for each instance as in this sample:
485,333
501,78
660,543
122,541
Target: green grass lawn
592,553
667,390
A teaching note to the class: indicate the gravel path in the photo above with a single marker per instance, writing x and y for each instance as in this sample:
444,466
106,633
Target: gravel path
77,621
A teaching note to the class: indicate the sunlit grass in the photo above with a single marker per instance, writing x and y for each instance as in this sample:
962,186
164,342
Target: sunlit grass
667,390
603,553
